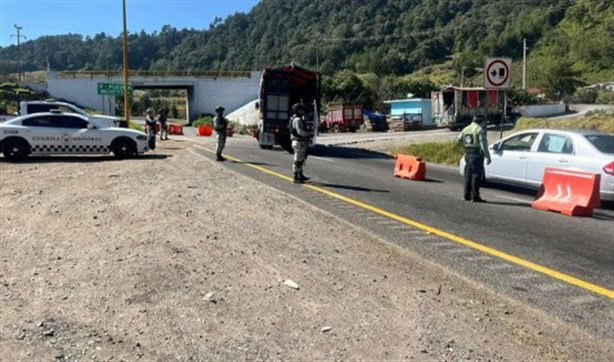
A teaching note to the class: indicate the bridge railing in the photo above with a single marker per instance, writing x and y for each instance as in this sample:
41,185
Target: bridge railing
139,73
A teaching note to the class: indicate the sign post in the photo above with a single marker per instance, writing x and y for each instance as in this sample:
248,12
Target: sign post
498,76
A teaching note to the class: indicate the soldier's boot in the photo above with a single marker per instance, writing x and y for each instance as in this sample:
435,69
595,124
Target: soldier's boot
297,178
219,157
303,177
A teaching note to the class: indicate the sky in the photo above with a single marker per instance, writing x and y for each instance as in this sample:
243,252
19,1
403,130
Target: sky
89,17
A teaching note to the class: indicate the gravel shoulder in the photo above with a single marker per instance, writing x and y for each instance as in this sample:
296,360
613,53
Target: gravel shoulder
174,257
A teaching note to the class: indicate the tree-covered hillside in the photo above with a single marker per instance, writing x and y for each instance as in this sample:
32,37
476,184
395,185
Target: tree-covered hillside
363,36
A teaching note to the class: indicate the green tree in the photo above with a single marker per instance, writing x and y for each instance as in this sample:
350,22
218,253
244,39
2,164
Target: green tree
559,79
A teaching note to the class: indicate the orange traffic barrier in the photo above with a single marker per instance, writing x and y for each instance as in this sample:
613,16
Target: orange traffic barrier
204,131
175,129
410,167
571,193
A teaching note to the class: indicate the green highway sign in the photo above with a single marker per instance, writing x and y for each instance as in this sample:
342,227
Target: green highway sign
113,89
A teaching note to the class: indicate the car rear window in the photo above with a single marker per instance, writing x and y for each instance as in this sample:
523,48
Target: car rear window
39,108
604,143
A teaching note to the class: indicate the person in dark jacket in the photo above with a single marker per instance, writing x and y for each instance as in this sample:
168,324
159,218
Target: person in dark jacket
150,122
220,124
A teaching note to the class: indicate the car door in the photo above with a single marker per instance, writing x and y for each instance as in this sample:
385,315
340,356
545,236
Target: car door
554,150
45,134
510,158
81,136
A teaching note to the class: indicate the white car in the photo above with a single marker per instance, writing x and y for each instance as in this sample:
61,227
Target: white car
55,133
522,157
49,105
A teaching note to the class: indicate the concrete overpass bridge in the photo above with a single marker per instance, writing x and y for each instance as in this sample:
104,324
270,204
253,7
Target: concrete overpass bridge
205,90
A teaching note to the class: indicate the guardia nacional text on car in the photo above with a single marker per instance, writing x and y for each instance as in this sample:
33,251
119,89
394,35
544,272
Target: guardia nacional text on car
58,133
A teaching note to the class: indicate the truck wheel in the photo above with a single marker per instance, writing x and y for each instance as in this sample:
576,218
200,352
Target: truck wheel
352,129
15,149
123,148
336,128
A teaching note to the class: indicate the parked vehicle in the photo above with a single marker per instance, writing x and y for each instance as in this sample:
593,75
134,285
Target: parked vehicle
454,107
30,107
522,157
54,133
343,117
280,88
375,122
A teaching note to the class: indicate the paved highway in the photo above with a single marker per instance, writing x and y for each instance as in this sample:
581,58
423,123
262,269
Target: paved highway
561,265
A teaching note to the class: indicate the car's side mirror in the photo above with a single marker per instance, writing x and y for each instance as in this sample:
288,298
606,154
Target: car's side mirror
257,105
90,126
496,147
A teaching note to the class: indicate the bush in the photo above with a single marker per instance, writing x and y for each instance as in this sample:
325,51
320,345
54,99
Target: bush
136,126
444,153
596,121
605,98
521,97
205,120
585,96
242,129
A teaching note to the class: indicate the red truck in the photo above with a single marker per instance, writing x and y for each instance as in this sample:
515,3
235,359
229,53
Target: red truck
344,117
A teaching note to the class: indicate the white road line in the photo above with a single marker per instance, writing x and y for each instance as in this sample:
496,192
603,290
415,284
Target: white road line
549,287
436,243
523,276
413,231
388,222
499,266
320,158
461,251
513,199
478,258
583,299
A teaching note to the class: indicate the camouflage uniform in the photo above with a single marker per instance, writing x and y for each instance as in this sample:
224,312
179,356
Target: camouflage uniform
300,142
220,124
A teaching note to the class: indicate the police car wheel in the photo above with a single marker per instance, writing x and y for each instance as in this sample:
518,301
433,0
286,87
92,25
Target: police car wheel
123,148
15,149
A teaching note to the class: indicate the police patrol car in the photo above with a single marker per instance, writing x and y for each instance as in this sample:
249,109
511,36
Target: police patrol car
55,132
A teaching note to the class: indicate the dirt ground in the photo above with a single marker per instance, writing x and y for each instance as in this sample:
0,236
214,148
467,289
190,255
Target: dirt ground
174,257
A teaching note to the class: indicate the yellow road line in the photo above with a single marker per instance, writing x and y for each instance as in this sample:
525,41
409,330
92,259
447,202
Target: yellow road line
431,230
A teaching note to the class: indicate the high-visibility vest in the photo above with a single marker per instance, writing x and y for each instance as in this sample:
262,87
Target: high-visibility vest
470,136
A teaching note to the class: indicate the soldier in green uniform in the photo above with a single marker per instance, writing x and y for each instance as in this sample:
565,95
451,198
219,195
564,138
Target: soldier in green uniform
220,124
300,142
473,138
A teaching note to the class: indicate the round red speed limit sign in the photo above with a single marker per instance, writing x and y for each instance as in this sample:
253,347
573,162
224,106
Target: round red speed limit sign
497,73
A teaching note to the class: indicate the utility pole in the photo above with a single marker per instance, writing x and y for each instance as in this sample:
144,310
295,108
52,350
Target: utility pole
48,64
462,82
126,97
524,64
317,39
19,37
